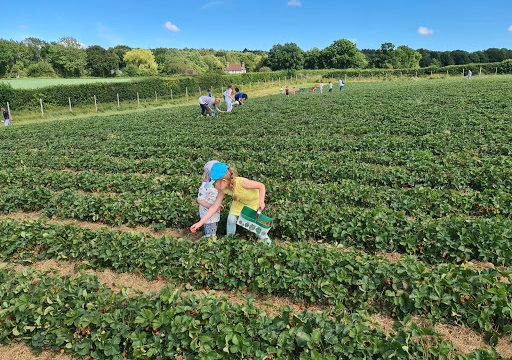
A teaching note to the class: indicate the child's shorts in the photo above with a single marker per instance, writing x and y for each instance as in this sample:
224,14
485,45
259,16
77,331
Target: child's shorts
210,229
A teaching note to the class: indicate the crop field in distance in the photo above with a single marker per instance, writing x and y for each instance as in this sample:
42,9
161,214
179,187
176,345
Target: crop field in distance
392,237
40,83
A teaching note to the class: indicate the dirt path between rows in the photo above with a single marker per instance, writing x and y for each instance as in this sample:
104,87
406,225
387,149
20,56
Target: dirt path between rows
19,351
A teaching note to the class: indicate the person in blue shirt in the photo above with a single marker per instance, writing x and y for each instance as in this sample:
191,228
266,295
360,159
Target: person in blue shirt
240,97
6,117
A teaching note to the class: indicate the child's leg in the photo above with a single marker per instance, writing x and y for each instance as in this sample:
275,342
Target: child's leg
265,239
231,225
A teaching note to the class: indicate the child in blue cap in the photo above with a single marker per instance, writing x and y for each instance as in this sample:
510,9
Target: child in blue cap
206,198
244,192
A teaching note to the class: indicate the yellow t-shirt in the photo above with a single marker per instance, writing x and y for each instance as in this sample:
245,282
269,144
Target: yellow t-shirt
245,197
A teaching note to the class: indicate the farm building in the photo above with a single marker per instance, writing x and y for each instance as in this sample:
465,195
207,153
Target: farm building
235,69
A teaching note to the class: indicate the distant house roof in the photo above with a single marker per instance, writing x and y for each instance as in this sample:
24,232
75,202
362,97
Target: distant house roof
234,67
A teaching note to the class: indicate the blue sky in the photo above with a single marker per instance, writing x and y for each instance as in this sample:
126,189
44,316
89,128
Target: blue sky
259,24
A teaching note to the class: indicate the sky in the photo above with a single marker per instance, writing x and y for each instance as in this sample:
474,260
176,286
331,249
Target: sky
259,24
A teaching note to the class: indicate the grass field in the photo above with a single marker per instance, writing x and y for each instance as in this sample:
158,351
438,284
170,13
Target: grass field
392,234
40,83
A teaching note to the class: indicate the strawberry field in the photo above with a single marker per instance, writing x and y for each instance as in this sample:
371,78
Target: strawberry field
390,200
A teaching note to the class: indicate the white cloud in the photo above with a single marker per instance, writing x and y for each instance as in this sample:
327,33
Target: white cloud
510,28
211,4
425,31
171,27
294,3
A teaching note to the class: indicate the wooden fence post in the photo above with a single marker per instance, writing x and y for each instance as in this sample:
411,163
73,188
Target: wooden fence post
156,96
69,101
9,110
118,101
42,109
186,92
480,74
95,104
138,99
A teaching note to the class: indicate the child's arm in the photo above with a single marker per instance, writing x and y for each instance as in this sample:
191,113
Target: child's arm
204,204
212,210
250,184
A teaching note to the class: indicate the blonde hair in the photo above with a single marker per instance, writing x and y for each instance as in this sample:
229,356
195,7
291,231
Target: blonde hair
205,177
230,177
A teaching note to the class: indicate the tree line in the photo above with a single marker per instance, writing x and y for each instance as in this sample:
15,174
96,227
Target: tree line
67,57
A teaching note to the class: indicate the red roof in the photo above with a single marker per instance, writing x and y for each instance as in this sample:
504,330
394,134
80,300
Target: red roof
234,67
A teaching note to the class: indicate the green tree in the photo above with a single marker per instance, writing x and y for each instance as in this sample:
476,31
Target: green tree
285,57
37,49
313,59
11,53
40,69
460,57
496,55
101,62
406,58
70,42
67,61
385,57
213,63
446,58
142,61
343,54
120,50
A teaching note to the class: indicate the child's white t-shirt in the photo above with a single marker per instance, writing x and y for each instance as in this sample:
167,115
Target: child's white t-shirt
227,94
208,194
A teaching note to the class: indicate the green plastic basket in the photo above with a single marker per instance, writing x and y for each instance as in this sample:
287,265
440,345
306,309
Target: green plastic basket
249,220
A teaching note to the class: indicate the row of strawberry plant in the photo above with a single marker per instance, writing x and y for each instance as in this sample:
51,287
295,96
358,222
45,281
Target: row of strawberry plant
451,238
413,201
79,316
494,174
303,271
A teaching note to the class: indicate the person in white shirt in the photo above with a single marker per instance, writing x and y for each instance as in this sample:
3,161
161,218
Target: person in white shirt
341,84
228,94
321,86
206,103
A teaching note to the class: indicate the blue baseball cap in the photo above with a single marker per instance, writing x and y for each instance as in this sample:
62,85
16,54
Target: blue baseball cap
218,171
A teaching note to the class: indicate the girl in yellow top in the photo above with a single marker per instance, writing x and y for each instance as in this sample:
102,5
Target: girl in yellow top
244,192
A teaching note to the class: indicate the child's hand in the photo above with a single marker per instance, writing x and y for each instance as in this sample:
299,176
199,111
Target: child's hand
194,228
221,207
261,206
